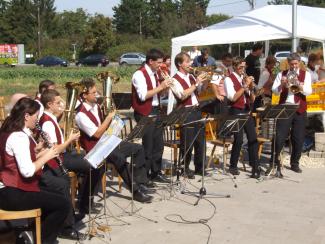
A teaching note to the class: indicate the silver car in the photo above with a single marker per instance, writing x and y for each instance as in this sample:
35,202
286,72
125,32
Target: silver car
132,58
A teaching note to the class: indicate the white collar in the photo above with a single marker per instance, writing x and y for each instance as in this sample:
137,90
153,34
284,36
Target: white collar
88,106
27,131
149,70
52,116
239,77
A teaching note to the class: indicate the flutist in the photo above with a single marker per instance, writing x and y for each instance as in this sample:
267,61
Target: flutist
296,122
238,90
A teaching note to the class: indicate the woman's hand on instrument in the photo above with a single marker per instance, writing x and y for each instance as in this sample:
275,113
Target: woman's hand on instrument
39,146
201,78
51,153
74,136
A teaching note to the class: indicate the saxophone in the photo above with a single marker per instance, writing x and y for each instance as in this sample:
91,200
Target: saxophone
107,79
73,91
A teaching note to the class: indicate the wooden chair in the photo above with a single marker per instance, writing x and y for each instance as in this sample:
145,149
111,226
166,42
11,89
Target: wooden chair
260,139
73,187
27,214
170,140
2,110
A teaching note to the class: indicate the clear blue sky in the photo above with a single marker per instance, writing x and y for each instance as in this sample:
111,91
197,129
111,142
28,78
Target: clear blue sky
230,7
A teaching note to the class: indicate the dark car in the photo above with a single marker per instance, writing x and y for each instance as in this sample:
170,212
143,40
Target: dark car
94,59
51,61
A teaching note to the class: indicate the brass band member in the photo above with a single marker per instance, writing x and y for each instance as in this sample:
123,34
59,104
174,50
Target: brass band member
188,87
238,92
146,91
296,122
43,86
21,169
92,126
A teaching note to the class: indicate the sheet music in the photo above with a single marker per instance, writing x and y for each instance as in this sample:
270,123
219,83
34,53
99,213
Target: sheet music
105,145
116,126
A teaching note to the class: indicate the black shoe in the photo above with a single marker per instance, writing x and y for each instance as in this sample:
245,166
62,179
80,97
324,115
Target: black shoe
188,174
86,211
150,184
72,235
234,171
139,196
256,173
146,190
161,178
296,169
278,173
79,217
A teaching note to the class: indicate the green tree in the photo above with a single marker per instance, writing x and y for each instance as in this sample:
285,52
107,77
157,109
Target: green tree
99,37
216,18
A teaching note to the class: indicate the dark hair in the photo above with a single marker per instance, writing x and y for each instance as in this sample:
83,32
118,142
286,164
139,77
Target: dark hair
204,51
166,57
226,55
293,56
154,54
180,58
257,46
270,60
87,84
313,57
48,96
44,85
16,120
237,61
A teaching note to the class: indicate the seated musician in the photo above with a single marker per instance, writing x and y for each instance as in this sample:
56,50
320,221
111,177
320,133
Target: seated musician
296,123
265,82
92,126
21,169
43,86
186,90
238,90
53,179
204,59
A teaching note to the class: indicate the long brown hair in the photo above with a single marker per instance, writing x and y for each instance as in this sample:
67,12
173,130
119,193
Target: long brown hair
16,120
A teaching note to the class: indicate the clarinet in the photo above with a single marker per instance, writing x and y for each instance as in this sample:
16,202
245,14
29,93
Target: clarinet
48,144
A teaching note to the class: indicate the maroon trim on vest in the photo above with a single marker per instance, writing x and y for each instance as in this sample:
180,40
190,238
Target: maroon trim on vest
52,163
240,102
299,97
187,101
87,142
143,108
9,171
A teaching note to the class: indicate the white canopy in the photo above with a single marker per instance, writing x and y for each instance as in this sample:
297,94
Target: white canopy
267,23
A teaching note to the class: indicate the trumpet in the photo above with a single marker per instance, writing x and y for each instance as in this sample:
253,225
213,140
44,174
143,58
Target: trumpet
293,83
177,90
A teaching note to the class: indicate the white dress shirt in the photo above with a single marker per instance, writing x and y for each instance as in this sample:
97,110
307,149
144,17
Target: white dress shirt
307,89
49,128
313,75
17,145
181,90
230,89
41,110
140,84
84,123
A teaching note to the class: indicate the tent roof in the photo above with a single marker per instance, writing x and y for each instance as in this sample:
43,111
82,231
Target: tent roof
266,23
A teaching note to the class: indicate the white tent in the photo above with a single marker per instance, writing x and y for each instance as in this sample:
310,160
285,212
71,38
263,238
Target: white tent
267,23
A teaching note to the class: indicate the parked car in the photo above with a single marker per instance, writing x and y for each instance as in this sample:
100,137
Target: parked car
284,54
48,61
132,58
94,60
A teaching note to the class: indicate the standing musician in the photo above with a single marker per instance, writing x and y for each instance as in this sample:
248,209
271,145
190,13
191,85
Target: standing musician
238,89
92,126
21,169
218,86
53,178
297,121
146,90
187,96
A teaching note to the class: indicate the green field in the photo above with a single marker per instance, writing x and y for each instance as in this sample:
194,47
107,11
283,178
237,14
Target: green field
26,79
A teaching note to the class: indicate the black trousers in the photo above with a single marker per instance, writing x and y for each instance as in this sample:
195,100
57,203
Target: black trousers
54,208
297,125
187,135
153,145
218,107
54,181
250,131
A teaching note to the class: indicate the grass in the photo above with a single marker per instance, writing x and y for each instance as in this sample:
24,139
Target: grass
26,79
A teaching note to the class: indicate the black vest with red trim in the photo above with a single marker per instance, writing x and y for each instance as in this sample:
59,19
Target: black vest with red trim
143,108
87,142
299,97
9,171
188,100
52,163
240,103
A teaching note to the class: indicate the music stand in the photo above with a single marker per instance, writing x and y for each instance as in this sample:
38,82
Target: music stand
278,112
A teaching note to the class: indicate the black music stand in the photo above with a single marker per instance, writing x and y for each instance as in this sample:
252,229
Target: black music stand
230,124
277,112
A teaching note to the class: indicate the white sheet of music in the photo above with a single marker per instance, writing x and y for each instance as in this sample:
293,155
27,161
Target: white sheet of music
105,145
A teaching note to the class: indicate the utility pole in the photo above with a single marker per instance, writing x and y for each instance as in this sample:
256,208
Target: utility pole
294,26
140,24
38,30
252,4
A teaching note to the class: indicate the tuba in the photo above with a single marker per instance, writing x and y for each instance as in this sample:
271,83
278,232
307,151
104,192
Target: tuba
293,83
73,91
107,79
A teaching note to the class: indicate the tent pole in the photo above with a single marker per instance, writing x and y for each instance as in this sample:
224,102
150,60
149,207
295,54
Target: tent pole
323,51
294,26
